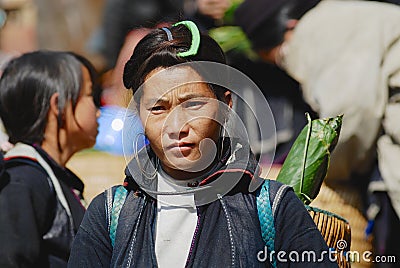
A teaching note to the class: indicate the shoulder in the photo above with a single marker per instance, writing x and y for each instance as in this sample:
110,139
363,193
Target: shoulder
26,173
92,238
282,195
96,221
289,210
26,196
277,189
95,215
98,206
277,192
98,203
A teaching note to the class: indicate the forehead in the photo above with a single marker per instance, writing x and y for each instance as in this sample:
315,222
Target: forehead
174,81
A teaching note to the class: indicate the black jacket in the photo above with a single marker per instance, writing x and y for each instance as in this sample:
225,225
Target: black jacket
227,234
35,230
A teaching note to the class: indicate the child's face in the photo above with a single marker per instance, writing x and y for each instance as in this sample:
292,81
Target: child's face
180,121
82,123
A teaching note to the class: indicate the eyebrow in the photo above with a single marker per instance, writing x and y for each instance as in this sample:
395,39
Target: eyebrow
188,96
153,101
182,97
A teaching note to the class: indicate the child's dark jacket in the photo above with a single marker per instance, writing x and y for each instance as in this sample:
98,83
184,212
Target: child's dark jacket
35,230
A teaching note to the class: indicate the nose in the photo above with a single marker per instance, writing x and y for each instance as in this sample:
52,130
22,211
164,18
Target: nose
176,124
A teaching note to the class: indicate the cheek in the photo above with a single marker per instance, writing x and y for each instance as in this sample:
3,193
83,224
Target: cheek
154,136
85,114
152,129
209,126
206,128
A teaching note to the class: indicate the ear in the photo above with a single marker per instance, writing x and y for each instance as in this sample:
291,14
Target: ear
55,110
54,104
228,98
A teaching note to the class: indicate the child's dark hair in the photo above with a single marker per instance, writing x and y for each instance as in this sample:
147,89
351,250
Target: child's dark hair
97,89
155,50
27,84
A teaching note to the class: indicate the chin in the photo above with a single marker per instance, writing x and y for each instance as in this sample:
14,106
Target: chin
188,165
87,145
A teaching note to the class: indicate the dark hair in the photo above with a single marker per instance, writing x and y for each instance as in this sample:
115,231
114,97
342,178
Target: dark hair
97,89
270,31
155,50
27,84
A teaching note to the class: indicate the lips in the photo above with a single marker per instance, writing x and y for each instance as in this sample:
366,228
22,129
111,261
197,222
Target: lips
181,147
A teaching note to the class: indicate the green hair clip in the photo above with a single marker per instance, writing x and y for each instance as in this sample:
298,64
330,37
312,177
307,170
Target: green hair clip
195,38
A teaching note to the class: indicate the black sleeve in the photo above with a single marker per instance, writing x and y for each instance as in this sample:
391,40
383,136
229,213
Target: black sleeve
92,245
26,212
298,236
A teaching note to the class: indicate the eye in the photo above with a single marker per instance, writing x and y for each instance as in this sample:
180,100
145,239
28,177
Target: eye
157,109
194,104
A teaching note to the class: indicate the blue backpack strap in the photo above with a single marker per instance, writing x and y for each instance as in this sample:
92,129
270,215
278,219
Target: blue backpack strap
266,218
113,208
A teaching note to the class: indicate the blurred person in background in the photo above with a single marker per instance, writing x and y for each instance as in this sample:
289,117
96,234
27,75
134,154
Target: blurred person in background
65,25
48,108
345,55
17,29
18,34
4,58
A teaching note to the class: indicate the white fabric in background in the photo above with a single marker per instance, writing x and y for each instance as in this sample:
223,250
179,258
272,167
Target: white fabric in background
345,69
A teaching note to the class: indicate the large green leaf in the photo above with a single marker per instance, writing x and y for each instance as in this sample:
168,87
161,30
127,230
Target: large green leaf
307,163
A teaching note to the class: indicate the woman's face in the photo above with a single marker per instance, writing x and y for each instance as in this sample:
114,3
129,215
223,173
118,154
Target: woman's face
181,122
83,120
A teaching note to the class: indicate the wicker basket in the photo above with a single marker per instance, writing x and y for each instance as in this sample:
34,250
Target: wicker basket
335,230
346,201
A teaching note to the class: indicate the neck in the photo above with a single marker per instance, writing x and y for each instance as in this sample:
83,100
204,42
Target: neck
184,183
55,142
57,152
179,174
56,145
